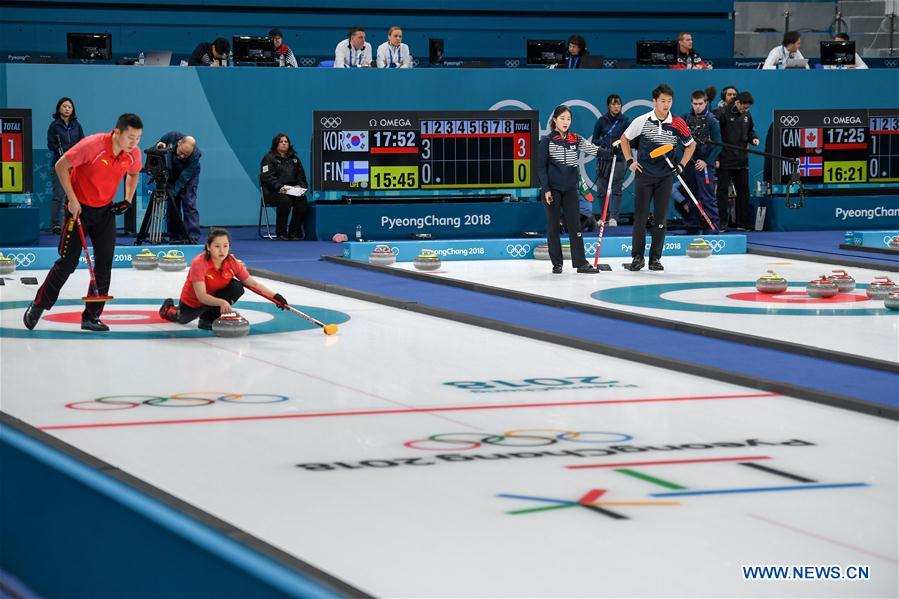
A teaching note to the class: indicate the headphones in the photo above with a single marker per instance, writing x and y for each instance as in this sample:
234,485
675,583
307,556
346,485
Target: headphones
724,91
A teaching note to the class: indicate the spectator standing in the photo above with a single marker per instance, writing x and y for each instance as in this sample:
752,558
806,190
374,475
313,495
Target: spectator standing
737,129
700,174
283,53
394,54
788,50
64,132
653,176
687,58
281,168
184,182
728,95
90,173
607,130
354,51
213,54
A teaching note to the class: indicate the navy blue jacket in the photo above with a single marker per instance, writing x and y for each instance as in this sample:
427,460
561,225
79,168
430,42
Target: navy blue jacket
182,170
61,137
702,127
557,160
608,129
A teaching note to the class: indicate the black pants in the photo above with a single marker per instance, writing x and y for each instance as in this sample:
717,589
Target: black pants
284,204
565,204
658,191
230,292
99,225
740,178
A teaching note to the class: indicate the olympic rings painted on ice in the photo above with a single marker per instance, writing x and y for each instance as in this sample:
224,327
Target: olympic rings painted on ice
513,438
178,400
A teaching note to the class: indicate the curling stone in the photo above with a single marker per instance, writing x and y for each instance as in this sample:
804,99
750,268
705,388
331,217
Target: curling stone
822,287
381,256
7,265
881,288
699,248
427,260
843,280
891,302
145,260
173,261
894,243
541,252
771,283
231,325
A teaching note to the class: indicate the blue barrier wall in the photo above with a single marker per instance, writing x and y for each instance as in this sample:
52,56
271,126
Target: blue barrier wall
235,112
53,506
312,28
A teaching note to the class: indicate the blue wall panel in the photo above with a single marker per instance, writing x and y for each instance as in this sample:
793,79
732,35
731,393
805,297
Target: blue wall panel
234,113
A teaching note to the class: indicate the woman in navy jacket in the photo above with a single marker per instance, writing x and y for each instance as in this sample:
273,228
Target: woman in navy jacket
557,169
64,132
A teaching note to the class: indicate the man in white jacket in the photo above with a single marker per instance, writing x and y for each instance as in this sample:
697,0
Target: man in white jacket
354,51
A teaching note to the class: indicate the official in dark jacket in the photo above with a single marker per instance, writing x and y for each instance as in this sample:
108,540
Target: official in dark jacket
737,129
184,182
281,170
208,54
64,132
699,175
607,130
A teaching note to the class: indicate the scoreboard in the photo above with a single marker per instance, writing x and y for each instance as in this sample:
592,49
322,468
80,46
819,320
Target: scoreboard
15,151
857,147
401,150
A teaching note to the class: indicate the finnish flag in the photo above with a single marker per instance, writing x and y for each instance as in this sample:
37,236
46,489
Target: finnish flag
354,171
354,141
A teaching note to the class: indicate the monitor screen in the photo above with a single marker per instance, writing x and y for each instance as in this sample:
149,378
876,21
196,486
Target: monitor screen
664,52
435,51
248,48
837,53
547,52
89,46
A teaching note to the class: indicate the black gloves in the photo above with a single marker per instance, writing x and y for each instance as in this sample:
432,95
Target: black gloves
120,207
282,303
677,169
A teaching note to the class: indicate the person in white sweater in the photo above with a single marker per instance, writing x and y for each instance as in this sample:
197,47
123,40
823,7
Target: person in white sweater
394,54
353,51
788,50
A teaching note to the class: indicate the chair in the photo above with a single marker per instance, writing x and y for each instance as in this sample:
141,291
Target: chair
263,212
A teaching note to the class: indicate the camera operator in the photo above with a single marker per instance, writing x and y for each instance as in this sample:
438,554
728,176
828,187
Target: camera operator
700,174
184,181
737,129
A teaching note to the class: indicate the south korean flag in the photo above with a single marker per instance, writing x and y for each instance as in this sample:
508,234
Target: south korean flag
354,141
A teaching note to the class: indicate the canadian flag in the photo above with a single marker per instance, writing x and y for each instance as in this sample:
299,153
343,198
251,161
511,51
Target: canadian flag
811,138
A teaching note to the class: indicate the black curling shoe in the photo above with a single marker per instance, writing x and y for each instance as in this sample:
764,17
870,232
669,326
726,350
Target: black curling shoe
31,316
655,265
557,270
89,323
635,265
587,269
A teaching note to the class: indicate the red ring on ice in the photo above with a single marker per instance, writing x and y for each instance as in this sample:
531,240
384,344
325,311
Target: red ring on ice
115,317
796,297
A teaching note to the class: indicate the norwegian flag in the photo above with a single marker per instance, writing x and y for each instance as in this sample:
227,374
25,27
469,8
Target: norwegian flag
811,166
811,138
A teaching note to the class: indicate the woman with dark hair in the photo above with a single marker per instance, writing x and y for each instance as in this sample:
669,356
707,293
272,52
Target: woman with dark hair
64,132
214,284
281,174
577,50
557,170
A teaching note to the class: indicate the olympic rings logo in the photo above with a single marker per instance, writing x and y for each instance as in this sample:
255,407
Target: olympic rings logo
892,64
178,400
512,63
887,239
514,438
518,250
308,61
329,122
590,247
716,244
609,64
23,260
789,120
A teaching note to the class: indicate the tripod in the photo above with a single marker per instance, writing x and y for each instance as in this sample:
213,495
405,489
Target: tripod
153,227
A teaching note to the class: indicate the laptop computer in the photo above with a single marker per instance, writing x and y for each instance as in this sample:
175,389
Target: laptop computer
161,58
796,63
